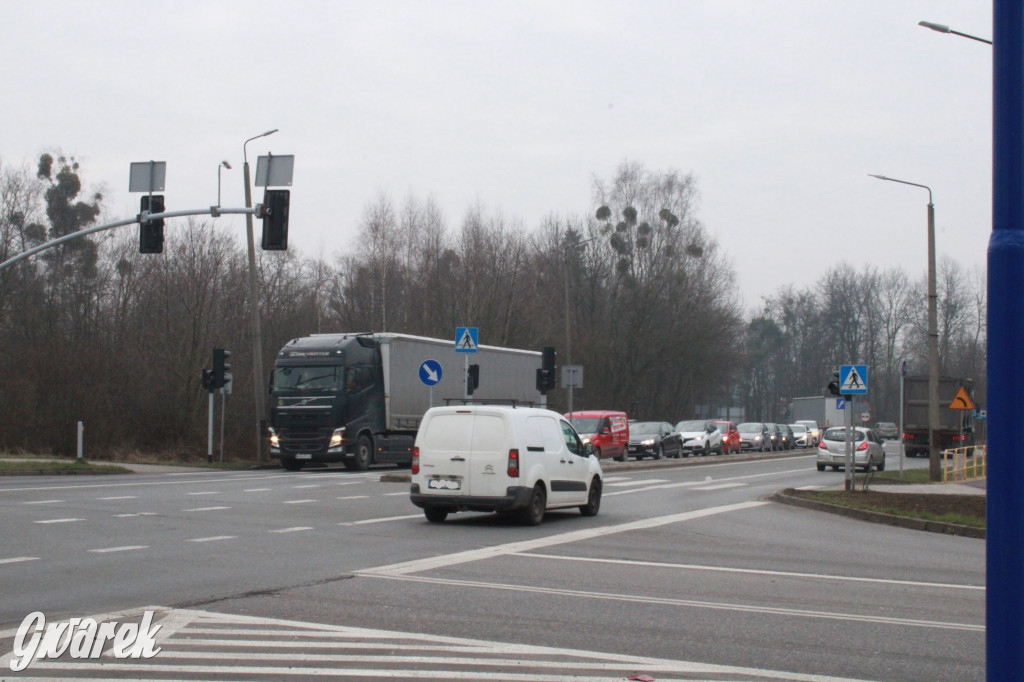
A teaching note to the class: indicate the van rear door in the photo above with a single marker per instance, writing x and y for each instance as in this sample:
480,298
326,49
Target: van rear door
445,441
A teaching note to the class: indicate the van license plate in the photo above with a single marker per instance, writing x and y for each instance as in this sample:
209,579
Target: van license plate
304,456
443,484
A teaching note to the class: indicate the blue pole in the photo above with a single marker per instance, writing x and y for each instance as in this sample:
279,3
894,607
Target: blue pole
1005,508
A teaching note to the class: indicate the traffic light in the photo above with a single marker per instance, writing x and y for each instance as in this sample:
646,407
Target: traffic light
220,366
546,373
208,379
472,379
151,232
275,219
833,386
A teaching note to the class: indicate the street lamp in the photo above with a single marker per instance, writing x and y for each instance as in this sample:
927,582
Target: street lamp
942,28
254,313
934,463
223,164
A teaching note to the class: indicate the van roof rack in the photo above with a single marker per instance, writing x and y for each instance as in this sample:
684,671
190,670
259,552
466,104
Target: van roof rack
490,401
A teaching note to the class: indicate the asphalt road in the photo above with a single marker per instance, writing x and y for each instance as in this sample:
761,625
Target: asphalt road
687,573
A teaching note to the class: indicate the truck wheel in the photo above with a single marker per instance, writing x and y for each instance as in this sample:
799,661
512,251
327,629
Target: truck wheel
364,453
593,499
435,514
534,512
290,464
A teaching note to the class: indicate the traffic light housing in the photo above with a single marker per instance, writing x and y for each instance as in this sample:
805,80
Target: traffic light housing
151,232
275,219
472,379
546,373
833,386
208,379
220,366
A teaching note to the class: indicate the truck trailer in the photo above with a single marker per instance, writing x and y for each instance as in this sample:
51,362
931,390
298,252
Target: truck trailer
956,427
825,410
358,398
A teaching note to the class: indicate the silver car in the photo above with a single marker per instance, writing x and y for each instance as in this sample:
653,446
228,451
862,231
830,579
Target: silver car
754,436
867,449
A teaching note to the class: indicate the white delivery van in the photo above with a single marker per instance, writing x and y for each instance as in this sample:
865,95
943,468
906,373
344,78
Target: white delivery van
502,458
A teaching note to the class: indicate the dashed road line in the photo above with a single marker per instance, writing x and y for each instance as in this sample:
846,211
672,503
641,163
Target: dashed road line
18,559
294,529
60,520
125,548
299,501
202,509
215,538
43,502
381,520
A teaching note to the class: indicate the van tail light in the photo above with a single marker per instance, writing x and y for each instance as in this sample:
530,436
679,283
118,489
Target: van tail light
513,463
416,460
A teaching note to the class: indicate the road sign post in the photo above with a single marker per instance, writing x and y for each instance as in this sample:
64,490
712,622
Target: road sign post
853,380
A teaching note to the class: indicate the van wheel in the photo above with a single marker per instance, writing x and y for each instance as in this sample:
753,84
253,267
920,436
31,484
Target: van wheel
364,453
593,499
534,512
435,514
624,456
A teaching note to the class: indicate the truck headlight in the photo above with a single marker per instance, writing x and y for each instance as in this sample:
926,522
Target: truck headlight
275,441
337,438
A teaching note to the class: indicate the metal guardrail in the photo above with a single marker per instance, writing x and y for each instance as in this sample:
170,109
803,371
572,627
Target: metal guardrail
968,463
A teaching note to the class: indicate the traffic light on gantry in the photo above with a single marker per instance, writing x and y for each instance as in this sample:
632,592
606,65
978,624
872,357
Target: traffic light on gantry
275,219
220,367
151,232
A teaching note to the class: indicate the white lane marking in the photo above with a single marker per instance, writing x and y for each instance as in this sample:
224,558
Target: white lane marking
198,509
184,628
126,548
294,529
206,492
444,560
298,501
129,516
60,521
356,497
719,486
313,485
349,482
120,497
394,494
692,603
43,502
17,559
381,520
691,484
214,538
830,577
256,490
646,481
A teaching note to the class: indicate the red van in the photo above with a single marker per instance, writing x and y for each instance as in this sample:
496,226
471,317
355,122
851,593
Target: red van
730,436
607,431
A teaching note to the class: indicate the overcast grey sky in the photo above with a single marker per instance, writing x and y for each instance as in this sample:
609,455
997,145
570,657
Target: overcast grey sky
779,109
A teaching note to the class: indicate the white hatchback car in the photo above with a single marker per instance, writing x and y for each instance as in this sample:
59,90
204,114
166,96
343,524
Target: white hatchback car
502,458
867,449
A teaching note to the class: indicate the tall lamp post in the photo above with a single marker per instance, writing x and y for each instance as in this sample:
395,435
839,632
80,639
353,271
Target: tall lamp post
568,335
254,313
934,447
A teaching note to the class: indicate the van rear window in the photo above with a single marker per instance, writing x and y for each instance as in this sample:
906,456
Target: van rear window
464,433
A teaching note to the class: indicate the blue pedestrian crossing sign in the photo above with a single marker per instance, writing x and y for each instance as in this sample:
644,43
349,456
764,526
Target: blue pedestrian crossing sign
430,372
466,339
853,379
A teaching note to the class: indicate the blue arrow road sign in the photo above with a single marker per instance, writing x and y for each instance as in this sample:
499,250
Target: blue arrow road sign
430,372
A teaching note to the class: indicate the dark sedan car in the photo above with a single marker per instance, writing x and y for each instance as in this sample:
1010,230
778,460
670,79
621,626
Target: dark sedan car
654,440
887,431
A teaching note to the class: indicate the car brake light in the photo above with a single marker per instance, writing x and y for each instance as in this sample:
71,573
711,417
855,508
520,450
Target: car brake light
416,460
821,444
513,463
863,446
908,436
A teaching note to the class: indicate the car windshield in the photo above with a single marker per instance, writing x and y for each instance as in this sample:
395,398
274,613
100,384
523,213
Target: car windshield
308,378
839,434
586,424
644,428
749,427
723,426
799,428
690,426
886,425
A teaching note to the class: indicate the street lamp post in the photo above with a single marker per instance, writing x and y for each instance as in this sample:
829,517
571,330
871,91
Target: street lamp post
254,313
222,164
942,28
934,447
568,335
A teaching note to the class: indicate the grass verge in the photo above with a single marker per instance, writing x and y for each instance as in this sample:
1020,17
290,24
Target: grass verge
27,466
962,510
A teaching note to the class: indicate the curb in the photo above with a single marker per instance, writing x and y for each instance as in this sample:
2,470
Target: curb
877,517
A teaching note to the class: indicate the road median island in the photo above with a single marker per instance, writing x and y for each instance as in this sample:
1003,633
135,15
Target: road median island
56,467
962,515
